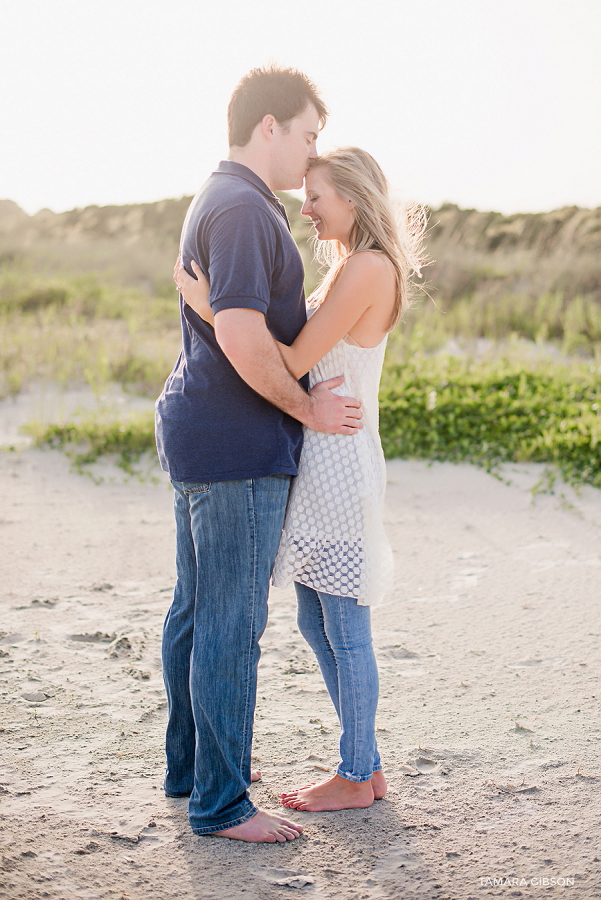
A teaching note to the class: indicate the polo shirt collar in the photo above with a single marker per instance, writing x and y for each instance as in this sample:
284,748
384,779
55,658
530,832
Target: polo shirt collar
229,167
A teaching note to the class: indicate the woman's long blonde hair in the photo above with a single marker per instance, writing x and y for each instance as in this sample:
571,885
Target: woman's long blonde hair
355,175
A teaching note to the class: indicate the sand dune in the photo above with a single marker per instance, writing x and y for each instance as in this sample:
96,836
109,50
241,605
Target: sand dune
489,721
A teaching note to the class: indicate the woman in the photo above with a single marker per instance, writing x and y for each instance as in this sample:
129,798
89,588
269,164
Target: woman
333,545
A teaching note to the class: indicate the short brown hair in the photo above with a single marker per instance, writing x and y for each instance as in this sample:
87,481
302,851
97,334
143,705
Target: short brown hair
283,93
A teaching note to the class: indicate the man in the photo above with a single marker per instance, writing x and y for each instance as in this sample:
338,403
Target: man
229,435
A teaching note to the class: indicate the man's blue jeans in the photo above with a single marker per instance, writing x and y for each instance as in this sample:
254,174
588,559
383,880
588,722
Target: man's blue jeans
338,631
227,535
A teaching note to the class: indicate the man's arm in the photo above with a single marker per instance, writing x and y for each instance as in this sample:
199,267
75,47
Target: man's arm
246,341
242,254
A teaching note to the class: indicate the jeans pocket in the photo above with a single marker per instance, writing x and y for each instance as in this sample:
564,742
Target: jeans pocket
194,487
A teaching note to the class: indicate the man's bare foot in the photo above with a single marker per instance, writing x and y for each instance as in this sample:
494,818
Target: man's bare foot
335,793
255,775
378,783
263,828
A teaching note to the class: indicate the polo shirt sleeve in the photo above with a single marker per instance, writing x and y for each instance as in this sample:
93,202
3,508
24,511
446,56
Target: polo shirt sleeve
242,252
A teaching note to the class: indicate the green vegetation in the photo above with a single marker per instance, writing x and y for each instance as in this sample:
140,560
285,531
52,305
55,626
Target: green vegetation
537,276
442,409
494,412
88,440
573,324
86,298
84,329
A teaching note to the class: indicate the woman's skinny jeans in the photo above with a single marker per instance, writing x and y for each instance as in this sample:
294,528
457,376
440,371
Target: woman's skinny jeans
338,631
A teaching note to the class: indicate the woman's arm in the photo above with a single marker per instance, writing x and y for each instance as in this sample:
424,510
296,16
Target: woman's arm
366,280
195,293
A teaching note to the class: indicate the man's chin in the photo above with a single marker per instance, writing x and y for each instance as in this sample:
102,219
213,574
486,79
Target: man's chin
291,183
299,182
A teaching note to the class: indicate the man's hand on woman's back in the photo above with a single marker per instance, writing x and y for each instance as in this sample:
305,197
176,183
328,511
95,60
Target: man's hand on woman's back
331,413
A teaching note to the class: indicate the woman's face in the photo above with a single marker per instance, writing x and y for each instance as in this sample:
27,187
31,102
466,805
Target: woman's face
331,215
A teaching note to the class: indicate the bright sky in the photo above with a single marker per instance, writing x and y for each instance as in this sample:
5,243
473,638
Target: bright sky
488,103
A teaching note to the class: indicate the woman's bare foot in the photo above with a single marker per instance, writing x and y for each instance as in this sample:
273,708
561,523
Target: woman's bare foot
335,793
378,783
296,790
263,828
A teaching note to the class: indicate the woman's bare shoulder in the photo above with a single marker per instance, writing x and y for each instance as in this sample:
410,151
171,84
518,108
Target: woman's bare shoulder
369,269
369,262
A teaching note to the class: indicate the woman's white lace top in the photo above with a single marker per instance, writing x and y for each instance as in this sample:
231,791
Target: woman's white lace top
333,538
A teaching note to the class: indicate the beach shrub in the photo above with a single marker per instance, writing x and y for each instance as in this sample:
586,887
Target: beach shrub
461,411
88,440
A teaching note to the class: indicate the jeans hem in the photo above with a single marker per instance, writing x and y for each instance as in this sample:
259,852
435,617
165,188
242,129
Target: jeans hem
211,829
177,795
356,779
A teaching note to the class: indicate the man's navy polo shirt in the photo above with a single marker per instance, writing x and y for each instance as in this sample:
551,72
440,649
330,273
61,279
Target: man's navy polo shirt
210,425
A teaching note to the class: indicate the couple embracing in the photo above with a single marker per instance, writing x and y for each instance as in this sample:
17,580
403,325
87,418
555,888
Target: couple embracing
277,473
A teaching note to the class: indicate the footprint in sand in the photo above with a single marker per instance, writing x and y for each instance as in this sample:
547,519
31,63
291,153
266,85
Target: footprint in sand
34,696
11,638
98,637
401,858
529,663
119,645
428,766
284,877
397,651
428,762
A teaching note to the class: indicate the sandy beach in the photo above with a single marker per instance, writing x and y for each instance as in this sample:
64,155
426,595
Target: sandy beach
489,720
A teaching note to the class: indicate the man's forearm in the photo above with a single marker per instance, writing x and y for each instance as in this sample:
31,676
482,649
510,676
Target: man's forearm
244,338
258,361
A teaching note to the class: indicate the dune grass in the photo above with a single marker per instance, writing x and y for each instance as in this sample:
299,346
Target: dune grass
84,329
571,323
